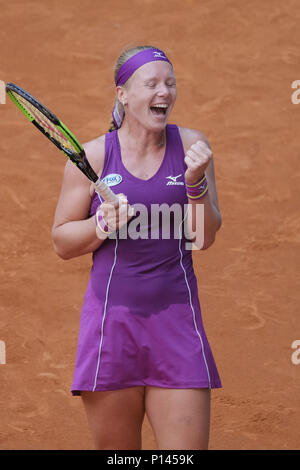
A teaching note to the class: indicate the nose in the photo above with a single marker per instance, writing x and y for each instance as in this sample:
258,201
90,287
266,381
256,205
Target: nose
163,90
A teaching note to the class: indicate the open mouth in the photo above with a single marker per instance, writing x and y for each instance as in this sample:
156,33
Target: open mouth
159,109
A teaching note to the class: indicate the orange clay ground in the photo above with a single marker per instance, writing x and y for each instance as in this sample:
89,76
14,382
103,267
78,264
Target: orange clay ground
235,63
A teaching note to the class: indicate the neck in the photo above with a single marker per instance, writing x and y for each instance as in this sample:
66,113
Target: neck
140,139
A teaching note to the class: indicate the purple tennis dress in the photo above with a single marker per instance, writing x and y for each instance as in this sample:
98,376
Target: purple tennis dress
141,319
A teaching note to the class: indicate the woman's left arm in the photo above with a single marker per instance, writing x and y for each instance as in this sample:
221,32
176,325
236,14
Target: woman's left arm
200,163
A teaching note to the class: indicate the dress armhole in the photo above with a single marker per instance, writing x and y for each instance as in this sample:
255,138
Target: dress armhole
96,200
108,146
181,146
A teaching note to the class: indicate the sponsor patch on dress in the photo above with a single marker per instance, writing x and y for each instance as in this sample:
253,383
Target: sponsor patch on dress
113,179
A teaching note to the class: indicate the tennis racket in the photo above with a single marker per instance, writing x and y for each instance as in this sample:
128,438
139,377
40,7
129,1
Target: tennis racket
59,134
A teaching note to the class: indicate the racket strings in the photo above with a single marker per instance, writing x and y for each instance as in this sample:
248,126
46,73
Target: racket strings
45,123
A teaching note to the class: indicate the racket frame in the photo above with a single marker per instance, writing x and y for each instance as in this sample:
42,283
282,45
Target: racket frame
79,158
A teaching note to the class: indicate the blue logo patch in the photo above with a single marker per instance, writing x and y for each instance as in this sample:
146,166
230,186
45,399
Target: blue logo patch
112,179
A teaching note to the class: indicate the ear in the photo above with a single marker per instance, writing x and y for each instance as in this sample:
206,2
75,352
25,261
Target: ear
121,94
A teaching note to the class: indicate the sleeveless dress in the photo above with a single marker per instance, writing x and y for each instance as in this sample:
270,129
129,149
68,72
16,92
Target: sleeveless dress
141,319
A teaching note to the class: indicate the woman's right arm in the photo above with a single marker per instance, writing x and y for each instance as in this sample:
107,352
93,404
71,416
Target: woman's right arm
73,232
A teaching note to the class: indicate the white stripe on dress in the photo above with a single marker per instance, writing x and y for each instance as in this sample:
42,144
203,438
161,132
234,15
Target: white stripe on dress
190,297
104,312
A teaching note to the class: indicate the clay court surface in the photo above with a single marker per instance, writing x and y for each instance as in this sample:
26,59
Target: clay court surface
235,63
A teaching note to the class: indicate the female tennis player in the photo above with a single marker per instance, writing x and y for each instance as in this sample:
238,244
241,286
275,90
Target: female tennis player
142,347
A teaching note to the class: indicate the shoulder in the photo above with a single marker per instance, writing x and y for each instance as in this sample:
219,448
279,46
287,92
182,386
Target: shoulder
95,152
191,136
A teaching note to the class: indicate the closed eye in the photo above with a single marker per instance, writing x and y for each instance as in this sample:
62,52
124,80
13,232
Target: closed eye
153,85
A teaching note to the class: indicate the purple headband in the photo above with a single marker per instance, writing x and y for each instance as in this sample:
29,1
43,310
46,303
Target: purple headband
127,69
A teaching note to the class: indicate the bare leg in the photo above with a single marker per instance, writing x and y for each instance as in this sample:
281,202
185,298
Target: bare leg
180,418
115,417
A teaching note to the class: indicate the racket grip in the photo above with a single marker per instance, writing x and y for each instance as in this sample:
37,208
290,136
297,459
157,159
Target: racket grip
105,191
109,195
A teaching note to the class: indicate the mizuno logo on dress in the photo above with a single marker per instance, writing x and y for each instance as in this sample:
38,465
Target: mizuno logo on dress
173,180
112,179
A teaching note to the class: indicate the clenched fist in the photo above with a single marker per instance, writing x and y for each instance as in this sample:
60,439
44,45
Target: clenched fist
197,159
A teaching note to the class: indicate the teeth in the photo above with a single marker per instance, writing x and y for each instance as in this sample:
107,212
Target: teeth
160,106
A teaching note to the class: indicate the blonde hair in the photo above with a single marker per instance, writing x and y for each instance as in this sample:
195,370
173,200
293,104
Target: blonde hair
126,54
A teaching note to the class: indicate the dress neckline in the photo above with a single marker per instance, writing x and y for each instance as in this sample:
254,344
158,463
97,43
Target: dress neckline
136,178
